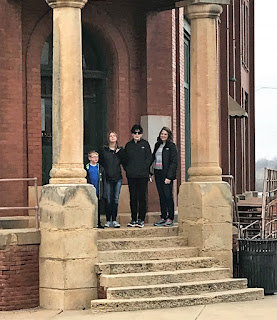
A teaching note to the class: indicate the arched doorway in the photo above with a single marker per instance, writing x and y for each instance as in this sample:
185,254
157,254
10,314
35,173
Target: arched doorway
94,98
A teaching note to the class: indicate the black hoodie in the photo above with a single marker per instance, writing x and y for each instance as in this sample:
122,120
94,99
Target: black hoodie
111,160
138,158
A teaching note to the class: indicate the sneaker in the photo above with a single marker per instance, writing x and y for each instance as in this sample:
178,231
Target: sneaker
108,224
132,224
168,223
100,226
140,223
160,223
116,224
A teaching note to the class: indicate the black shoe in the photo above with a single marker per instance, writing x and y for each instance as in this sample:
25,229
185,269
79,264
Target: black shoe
100,226
140,223
132,224
160,223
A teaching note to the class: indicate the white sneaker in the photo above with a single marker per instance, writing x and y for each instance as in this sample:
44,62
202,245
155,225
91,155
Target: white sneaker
108,224
116,224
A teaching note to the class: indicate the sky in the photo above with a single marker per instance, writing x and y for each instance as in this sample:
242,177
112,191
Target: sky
266,76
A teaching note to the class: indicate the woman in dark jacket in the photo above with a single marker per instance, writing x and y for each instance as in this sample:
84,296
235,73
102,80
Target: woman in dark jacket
165,161
110,159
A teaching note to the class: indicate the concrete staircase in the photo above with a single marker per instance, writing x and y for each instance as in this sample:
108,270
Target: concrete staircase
153,268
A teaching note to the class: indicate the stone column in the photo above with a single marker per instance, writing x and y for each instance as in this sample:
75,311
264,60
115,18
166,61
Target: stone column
68,250
205,203
204,93
67,92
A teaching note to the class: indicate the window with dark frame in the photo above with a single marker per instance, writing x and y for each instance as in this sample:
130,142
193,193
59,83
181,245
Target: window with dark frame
245,34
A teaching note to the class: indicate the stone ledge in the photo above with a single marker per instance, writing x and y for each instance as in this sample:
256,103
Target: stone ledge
19,237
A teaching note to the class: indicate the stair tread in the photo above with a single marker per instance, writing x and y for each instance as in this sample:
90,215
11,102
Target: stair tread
150,249
178,284
153,273
154,261
142,239
182,297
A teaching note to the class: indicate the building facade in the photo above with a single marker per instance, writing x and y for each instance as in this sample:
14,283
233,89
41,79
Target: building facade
140,63
136,68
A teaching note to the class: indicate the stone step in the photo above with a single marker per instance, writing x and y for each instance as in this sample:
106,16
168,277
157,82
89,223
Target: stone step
176,289
137,243
155,265
163,277
106,305
127,232
147,254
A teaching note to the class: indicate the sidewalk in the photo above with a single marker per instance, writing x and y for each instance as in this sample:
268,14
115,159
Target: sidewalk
253,310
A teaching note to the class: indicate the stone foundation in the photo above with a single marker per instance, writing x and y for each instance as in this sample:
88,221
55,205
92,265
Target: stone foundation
68,249
205,217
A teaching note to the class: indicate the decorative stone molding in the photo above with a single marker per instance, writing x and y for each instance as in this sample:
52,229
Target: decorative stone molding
203,11
184,3
66,3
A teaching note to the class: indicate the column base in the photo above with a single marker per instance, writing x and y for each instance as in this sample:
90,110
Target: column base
205,218
68,250
68,175
200,174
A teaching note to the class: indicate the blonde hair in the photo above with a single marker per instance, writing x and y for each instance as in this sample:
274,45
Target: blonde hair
116,144
92,151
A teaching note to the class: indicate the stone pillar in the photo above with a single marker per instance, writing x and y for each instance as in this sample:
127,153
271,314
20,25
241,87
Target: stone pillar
205,203
204,93
68,250
67,92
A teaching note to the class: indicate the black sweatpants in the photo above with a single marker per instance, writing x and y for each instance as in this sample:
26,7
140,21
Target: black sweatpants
137,189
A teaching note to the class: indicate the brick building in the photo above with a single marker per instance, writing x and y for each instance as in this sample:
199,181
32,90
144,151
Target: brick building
136,64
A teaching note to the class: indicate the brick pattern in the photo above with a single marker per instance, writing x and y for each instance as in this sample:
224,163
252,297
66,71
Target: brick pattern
11,112
19,277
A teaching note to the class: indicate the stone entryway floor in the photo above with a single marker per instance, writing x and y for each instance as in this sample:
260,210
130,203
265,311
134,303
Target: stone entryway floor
249,310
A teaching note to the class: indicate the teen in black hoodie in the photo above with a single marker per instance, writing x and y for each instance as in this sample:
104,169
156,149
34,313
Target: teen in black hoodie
111,159
137,162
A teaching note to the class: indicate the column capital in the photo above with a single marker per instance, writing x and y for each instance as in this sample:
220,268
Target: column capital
66,3
200,11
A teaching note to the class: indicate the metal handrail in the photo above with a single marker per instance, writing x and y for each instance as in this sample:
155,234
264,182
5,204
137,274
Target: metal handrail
269,199
36,207
235,201
245,229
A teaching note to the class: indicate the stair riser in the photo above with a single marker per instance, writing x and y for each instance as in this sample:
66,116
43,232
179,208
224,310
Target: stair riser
147,255
111,233
141,280
113,306
140,244
155,266
175,290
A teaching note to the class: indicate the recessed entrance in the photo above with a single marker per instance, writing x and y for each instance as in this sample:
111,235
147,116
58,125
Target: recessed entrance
94,98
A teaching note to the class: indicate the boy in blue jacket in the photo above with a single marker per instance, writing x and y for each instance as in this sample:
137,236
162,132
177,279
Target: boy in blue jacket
96,177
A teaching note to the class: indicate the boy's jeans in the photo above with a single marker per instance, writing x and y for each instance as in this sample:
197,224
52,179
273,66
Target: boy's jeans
112,198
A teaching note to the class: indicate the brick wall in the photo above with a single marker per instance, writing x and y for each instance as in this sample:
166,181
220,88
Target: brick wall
12,121
19,277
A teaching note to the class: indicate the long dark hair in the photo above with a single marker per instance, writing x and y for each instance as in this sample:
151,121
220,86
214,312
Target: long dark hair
169,132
